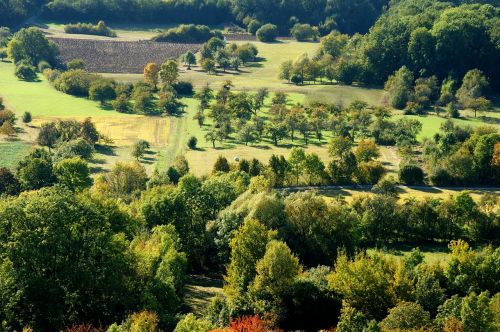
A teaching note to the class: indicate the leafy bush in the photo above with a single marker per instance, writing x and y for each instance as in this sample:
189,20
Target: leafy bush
192,142
100,29
411,174
183,88
24,71
267,33
75,82
302,32
42,65
188,33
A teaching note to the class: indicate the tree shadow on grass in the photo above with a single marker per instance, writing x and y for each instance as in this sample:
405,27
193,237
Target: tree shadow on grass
105,150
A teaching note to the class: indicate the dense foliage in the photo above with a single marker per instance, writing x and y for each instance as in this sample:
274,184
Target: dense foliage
189,33
100,29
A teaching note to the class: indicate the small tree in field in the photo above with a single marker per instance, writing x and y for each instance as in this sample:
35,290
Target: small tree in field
7,129
192,142
189,59
48,135
151,74
169,72
221,165
139,149
27,117
102,91
209,66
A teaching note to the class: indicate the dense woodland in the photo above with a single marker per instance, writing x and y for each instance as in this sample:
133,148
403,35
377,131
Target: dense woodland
114,251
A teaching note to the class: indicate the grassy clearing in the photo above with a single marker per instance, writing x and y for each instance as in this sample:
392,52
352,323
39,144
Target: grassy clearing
47,104
12,152
199,292
433,254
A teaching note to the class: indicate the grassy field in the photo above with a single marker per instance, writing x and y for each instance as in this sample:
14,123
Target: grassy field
47,104
11,152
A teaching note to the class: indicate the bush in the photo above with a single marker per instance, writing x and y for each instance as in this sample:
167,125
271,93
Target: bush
100,29
267,33
75,82
75,148
302,32
192,142
75,64
27,117
188,33
51,74
42,65
183,88
253,26
411,174
25,71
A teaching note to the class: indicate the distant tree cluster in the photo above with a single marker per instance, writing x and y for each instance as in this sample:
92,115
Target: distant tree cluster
217,54
422,35
100,29
188,33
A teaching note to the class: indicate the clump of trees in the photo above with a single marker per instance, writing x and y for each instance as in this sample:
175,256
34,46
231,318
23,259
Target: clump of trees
267,33
100,29
216,53
188,33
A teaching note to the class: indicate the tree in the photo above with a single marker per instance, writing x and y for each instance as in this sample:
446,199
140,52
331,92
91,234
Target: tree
122,180
121,104
192,142
277,132
31,45
73,173
63,246
221,165
314,169
75,64
285,72
192,324
364,283
102,91
7,129
9,185
247,134
303,32
151,72
169,72
212,136
296,161
139,148
89,131
406,316
399,88
276,272
411,174
248,246
480,104
48,135
189,59
474,85
209,66
366,151
27,117
25,71
476,313
267,33
351,320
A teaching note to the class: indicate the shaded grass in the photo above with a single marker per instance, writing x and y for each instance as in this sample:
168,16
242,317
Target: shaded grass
12,152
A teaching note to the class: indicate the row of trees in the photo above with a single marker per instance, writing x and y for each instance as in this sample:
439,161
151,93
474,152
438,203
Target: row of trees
417,96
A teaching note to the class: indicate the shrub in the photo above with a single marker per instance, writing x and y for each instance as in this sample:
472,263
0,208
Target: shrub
25,71
221,165
42,65
411,174
183,88
253,26
7,116
302,32
267,33
75,148
75,64
27,117
188,33
100,29
75,82
51,74
102,90
192,142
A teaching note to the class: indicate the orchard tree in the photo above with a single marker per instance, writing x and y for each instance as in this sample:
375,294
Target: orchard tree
189,59
169,72
48,135
151,72
102,91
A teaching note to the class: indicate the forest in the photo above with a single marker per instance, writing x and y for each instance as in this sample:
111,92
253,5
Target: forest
249,165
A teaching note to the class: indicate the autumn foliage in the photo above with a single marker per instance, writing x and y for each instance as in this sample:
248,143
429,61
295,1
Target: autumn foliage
246,324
